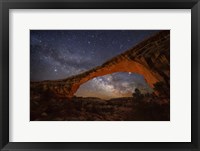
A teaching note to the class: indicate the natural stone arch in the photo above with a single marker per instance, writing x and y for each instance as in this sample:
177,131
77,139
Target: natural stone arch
128,66
149,58
80,93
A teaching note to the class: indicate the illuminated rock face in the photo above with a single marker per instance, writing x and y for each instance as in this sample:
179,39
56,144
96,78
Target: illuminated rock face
150,58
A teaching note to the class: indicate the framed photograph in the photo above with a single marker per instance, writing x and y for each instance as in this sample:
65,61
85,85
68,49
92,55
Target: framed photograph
99,75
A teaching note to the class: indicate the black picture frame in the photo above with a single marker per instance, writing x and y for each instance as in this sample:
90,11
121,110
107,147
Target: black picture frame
5,5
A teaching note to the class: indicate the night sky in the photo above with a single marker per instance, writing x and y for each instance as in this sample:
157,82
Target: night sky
56,54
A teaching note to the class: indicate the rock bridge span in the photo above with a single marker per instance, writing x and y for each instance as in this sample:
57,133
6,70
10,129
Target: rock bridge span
150,58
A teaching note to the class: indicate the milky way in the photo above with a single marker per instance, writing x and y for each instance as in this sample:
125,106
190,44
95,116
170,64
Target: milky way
56,54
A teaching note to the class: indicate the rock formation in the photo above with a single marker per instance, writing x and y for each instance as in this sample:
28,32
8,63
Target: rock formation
150,58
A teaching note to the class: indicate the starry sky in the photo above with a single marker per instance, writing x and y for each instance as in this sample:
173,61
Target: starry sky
56,54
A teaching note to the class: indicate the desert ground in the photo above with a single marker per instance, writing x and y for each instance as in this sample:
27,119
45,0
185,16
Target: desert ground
146,107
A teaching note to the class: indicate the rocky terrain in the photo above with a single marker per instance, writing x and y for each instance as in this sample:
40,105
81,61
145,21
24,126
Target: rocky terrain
150,58
145,108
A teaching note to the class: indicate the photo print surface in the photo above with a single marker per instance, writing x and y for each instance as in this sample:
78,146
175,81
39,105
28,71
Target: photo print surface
99,75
